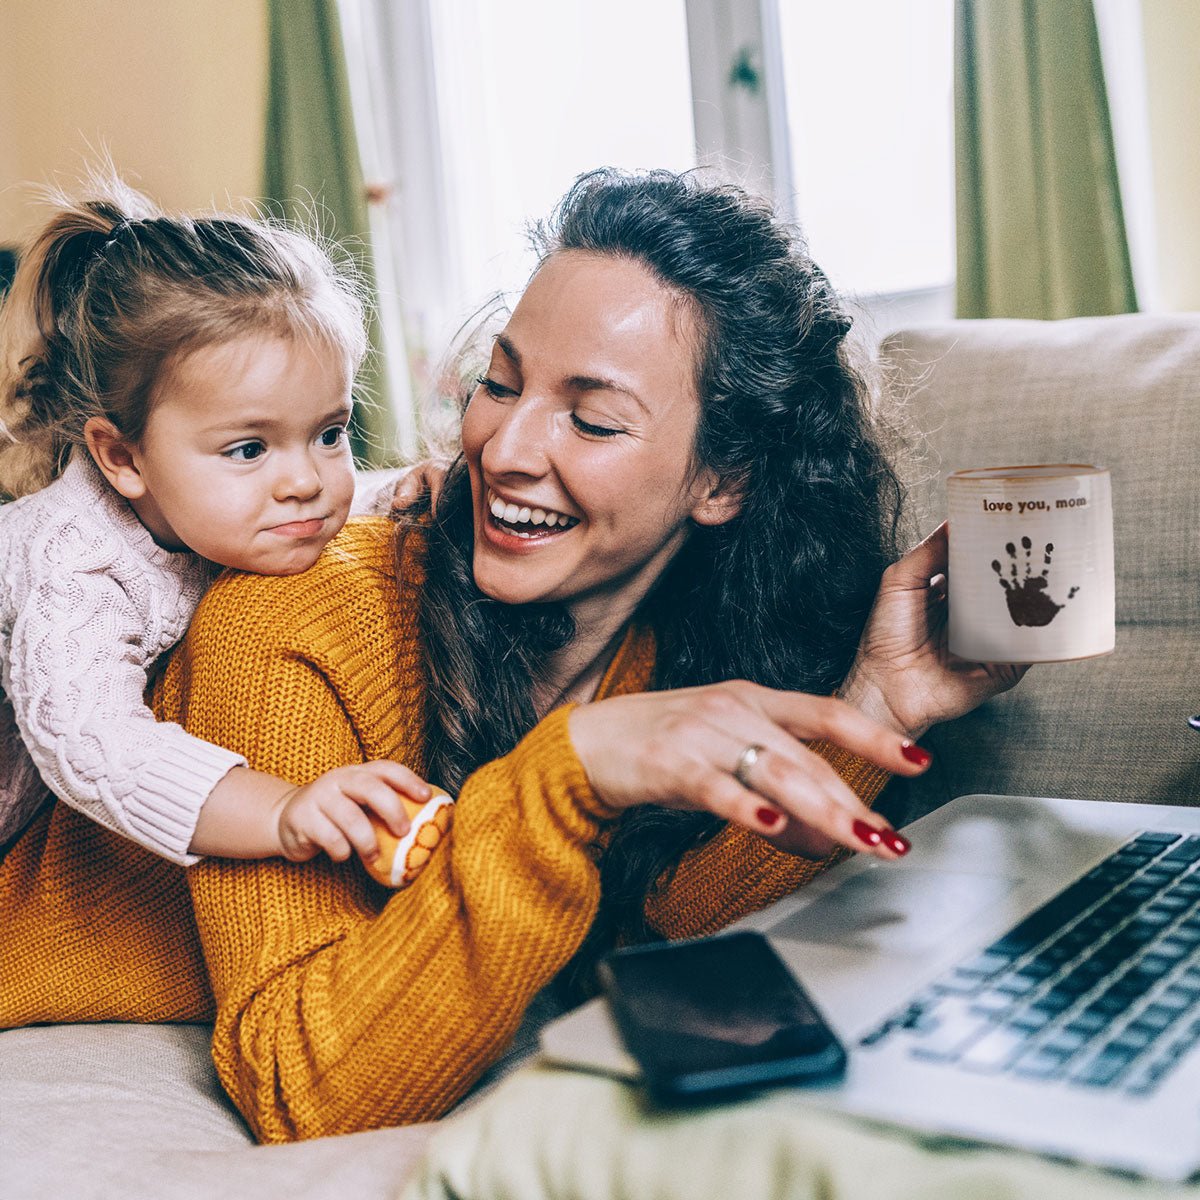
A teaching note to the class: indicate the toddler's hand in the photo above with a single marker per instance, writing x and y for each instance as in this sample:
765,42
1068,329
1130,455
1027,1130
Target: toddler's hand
424,477
327,814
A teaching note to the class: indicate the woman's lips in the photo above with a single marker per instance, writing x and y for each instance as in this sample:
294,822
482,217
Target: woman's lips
299,529
505,539
520,528
526,518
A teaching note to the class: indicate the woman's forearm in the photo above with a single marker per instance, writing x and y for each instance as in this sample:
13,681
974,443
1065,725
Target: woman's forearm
333,1018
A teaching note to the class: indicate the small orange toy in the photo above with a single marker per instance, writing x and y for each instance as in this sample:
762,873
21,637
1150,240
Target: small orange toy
400,859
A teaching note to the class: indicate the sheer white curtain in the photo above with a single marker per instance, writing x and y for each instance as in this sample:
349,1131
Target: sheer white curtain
369,30
476,117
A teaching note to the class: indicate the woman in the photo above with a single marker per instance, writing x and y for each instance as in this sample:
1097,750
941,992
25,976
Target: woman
668,481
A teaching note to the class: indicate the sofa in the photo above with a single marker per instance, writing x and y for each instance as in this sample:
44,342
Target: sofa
136,1110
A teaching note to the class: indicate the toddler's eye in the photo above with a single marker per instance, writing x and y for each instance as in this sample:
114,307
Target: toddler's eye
332,436
246,452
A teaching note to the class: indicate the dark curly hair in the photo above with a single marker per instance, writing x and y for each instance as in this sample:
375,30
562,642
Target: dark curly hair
780,593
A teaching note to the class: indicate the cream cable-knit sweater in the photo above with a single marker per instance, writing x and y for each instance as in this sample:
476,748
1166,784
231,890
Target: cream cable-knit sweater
88,602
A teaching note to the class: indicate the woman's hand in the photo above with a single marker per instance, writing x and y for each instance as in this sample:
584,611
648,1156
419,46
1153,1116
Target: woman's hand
904,675
690,749
422,477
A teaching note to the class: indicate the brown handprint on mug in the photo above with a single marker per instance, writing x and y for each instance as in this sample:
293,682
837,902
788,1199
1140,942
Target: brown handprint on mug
1028,601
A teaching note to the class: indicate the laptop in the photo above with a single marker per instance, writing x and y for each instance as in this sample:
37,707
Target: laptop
1029,974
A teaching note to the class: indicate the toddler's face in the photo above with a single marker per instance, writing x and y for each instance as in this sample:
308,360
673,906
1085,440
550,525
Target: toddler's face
245,458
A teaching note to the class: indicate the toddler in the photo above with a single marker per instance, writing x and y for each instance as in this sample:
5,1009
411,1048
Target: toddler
174,397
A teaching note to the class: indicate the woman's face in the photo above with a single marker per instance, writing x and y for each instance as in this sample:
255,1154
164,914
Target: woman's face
579,440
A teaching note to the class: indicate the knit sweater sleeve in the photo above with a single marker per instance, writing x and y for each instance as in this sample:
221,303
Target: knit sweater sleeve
739,872
76,675
342,1006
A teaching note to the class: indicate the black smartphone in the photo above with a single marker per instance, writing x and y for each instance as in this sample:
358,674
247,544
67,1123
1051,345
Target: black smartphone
718,1015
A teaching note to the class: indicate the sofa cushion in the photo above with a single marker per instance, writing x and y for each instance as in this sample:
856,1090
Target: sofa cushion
1119,392
136,1110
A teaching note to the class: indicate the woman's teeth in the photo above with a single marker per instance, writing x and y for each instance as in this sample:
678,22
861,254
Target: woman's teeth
517,515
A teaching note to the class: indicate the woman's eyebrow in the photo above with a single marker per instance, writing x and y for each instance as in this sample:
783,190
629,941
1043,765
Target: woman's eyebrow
595,383
505,344
576,383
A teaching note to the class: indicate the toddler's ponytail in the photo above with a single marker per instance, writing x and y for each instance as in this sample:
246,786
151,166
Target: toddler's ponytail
46,385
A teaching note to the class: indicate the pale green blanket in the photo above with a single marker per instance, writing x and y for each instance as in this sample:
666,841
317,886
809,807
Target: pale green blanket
567,1135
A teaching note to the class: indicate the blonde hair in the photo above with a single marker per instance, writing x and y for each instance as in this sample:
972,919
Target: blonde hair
111,292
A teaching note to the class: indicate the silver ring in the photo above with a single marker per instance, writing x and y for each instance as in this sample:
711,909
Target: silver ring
745,762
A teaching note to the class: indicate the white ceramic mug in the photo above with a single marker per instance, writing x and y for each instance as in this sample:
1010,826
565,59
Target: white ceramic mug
1031,563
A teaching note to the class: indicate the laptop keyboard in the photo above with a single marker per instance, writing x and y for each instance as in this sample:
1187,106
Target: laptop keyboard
1098,988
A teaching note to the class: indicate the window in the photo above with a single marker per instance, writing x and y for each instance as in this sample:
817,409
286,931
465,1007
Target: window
478,114
533,93
869,89
481,112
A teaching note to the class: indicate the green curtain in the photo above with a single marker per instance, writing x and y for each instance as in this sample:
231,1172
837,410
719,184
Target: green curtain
312,156
1040,229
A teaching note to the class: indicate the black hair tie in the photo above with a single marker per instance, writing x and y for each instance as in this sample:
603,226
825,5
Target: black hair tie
114,234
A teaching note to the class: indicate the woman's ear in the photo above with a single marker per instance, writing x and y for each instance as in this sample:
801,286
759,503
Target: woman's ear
115,456
718,500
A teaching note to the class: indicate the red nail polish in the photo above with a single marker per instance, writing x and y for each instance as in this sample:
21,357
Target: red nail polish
915,754
768,816
896,843
866,834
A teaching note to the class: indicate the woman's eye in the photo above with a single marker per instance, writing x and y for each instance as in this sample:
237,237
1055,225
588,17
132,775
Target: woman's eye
497,391
246,452
600,431
332,436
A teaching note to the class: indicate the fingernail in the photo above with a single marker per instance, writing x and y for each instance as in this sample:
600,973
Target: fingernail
915,754
768,816
896,843
867,834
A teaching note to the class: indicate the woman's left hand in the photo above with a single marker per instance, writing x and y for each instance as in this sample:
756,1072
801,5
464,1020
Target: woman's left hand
426,476
904,675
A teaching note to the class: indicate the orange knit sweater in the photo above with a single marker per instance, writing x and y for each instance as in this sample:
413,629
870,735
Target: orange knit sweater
340,1005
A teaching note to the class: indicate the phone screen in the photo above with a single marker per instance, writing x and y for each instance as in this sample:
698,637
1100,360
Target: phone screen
716,1014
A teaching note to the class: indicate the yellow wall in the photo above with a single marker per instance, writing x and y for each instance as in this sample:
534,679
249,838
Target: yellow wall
175,89
9,150
1172,33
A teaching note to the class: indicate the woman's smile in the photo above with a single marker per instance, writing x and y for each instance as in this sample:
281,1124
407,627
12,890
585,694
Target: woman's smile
530,523
512,529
